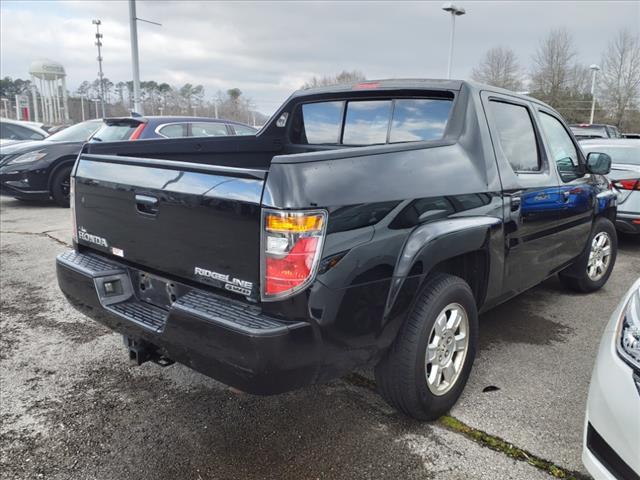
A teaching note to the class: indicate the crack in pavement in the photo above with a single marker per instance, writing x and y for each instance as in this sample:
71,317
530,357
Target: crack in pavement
484,439
38,234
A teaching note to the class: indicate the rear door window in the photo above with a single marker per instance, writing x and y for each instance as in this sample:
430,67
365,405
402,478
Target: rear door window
516,135
212,129
367,122
173,130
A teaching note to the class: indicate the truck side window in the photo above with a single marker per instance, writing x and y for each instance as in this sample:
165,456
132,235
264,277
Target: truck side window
516,135
563,151
367,122
321,123
419,119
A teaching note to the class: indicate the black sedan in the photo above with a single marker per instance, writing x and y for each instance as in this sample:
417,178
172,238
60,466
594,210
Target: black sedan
40,170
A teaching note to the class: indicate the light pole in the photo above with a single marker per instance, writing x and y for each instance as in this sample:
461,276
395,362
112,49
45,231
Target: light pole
455,12
135,62
133,28
97,23
594,68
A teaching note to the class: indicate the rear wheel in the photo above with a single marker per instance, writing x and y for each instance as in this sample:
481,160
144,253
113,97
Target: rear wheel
61,186
592,270
427,367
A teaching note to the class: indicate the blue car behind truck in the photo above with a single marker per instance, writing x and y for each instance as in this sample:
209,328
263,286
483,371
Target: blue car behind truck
40,170
365,225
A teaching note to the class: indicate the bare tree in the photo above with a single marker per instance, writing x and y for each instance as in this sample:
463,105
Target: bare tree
342,77
499,68
621,75
553,65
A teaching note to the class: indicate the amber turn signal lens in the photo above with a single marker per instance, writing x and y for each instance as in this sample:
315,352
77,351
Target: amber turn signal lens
294,223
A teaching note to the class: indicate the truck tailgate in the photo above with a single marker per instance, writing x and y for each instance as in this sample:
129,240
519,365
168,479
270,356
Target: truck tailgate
192,221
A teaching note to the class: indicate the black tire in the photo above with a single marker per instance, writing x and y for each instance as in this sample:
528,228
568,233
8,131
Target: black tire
576,277
60,186
401,374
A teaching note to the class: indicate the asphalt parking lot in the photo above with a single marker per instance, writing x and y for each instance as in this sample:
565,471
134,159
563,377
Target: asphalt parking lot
72,407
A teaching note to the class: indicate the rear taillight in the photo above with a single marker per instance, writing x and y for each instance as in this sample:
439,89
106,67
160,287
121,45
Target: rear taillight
291,249
137,132
630,184
72,205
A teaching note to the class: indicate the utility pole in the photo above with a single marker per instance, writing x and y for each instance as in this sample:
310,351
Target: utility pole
97,23
82,105
594,68
133,28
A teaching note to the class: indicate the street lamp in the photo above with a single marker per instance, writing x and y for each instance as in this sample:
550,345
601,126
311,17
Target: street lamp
455,12
594,68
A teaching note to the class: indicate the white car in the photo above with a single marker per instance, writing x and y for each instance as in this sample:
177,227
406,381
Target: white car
611,446
12,131
624,176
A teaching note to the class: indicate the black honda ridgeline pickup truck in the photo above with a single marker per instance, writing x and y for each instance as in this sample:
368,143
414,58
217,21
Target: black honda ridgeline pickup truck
366,224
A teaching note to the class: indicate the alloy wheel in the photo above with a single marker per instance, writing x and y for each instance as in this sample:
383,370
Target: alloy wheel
599,256
447,349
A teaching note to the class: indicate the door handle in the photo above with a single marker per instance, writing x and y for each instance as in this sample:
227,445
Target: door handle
516,201
147,204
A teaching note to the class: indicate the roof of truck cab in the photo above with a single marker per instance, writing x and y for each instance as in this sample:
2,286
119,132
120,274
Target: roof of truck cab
411,84
390,84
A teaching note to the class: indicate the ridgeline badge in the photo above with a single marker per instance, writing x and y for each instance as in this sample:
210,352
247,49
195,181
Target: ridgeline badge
232,284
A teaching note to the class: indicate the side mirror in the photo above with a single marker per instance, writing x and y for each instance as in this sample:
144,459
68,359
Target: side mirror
598,163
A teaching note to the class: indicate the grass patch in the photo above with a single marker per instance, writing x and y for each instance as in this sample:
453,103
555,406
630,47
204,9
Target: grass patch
500,445
486,440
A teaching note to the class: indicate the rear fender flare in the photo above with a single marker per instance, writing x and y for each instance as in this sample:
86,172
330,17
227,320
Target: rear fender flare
432,243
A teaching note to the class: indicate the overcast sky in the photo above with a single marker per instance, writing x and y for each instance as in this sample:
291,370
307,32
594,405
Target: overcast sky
268,49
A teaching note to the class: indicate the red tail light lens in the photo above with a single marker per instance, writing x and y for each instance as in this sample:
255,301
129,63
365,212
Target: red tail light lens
137,132
291,249
631,184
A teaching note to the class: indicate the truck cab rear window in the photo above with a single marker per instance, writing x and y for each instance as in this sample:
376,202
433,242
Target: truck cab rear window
367,122
322,122
371,122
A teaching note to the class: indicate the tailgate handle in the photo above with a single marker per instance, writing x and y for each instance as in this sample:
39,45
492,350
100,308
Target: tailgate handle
147,204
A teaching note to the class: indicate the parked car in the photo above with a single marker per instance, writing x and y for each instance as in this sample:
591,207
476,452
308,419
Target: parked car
594,130
625,178
611,447
631,135
141,128
12,131
48,175
39,170
366,224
